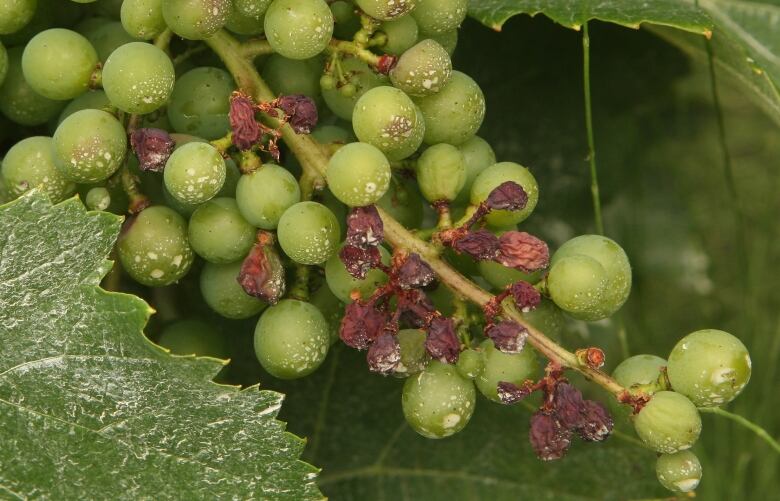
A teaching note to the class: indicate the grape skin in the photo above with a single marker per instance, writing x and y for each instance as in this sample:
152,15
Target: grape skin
223,294
194,173
18,101
196,19
91,100
414,358
639,370
298,30
387,118
358,174
218,233
58,63
30,164
308,233
679,472
493,176
143,19
89,146
440,16
386,9
105,36
98,198
200,102
455,113
423,69
138,77
265,194
15,15
668,423
510,367
441,172
402,33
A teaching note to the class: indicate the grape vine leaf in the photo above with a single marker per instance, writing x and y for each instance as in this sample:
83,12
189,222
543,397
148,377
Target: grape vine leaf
89,407
574,13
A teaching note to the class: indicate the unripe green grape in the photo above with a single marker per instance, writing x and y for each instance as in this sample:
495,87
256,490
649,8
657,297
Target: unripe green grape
478,155
153,247
298,30
422,70
496,175
218,233
223,294
578,285
332,134
293,76
331,308
639,370
138,77
709,366
106,37
441,172
470,363
194,173
363,79
500,276
679,472
15,14
668,423
193,337
440,16
414,358
252,8
358,174
327,82
386,9
143,19
18,101
455,113
98,198
402,33
388,119
438,402
90,100
242,24
346,21
348,90
291,339
548,318
3,62
338,209
196,19
200,103
308,233
341,283
89,146
499,366
265,194
404,202
30,164
448,40
59,63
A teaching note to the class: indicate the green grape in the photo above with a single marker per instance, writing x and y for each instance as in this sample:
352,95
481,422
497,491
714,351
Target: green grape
193,337
109,8
252,8
499,366
91,100
341,283
308,233
89,146
3,62
331,308
327,82
471,363
478,155
218,233
106,37
232,176
293,76
242,24
143,19
265,194
194,173
153,247
422,70
440,16
291,339
363,79
347,23
578,285
448,40
59,63
358,174
332,134
348,90
454,114
298,30
15,14
614,262
402,33
494,176
200,103
386,9
196,19
338,209
414,358
138,77
500,276
548,318
438,402
385,117
642,370
404,202
222,292
98,198
18,101
668,423
30,164
679,472
441,172
710,367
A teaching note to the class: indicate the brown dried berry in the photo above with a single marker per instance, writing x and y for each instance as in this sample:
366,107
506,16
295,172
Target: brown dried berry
358,261
384,354
152,147
510,393
415,308
442,343
507,196
548,438
481,245
301,112
246,130
525,295
508,336
386,63
523,251
568,406
413,273
596,424
362,324
262,272
364,227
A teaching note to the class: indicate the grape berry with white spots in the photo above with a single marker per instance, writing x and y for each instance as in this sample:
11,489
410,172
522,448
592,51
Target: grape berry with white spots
221,212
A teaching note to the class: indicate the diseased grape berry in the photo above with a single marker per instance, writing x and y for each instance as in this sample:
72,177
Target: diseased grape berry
386,9
342,284
153,247
298,30
264,194
15,15
143,19
510,367
200,102
639,370
454,114
89,146
401,33
98,198
218,233
679,472
194,173
308,233
387,118
470,363
196,19
448,40
711,367
441,172
414,358
193,337
138,77
668,423
423,69
494,176
438,402
440,16
222,292
59,63
358,174
30,164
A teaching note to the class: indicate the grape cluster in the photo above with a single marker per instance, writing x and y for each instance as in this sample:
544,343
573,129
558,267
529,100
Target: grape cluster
142,122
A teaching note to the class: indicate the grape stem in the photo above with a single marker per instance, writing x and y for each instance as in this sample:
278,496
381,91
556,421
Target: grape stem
594,181
314,159
257,47
346,47
743,421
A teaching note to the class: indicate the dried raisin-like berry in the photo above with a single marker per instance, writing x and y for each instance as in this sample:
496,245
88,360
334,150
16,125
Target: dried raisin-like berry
262,272
510,393
384,354
301,112
152,147
415,307
508,336
358,261
568,406
523,251
362,324
442,342
246,130
414,273
364,227
596,423
481,245
507,196
548,438
525,295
